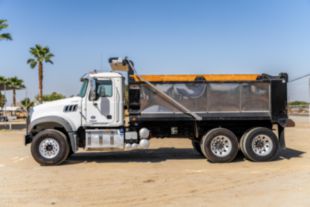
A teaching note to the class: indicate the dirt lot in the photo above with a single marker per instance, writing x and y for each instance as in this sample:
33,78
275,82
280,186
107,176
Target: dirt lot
171,174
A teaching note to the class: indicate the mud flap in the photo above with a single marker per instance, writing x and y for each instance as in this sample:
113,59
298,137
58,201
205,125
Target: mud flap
281,136
27,139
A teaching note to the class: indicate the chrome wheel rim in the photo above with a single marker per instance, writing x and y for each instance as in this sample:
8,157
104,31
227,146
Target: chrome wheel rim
49,148
262,145
221,146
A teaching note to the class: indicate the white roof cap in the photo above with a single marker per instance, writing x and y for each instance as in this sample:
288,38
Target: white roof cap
102,75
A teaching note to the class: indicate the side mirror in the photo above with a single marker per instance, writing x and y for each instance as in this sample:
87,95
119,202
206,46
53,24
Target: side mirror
93,93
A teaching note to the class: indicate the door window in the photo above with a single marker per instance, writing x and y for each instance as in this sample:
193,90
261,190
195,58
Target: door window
83,88
104,88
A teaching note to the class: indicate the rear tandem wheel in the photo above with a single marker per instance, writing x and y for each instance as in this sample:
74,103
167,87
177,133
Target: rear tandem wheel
259,144
219,145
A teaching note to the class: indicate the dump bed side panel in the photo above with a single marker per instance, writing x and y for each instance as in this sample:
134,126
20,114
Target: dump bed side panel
207,98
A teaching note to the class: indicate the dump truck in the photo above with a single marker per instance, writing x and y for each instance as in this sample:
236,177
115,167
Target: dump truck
220,114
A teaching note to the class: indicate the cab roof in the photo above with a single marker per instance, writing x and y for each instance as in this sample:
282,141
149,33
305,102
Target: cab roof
101,75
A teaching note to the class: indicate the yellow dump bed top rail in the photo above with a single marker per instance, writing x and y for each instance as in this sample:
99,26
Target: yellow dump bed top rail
189,78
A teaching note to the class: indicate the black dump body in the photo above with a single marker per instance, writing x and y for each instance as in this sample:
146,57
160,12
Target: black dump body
234,103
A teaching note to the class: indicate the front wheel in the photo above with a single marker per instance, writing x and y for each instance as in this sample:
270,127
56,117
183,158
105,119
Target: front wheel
50,147
220,145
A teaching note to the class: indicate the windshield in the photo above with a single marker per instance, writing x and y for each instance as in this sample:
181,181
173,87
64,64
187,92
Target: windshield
83,88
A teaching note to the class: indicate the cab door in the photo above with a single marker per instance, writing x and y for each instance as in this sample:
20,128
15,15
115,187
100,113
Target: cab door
102,110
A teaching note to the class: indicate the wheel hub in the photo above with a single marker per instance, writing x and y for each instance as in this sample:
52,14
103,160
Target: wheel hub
221,146
49,148
262,145
259,144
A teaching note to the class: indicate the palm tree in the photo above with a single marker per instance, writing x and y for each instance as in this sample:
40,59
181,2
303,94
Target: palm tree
41,55
27,103
2,100
4,25
3,82
14,83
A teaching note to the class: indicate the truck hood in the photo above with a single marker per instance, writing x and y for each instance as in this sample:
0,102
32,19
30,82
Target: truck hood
54,107
61,102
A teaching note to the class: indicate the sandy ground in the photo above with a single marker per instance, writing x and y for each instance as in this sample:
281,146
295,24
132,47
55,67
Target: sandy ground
170,174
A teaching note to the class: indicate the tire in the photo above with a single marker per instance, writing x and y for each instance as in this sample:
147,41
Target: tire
259,144
50,147
196,146
241,143
212,145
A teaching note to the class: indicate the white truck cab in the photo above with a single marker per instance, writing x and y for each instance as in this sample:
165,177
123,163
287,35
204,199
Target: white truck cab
99,103
102,100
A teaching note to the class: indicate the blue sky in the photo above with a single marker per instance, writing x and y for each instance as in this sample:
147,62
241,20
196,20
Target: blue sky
161,36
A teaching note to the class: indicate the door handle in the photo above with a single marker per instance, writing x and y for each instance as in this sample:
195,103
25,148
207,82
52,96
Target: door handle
109,117
95,104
